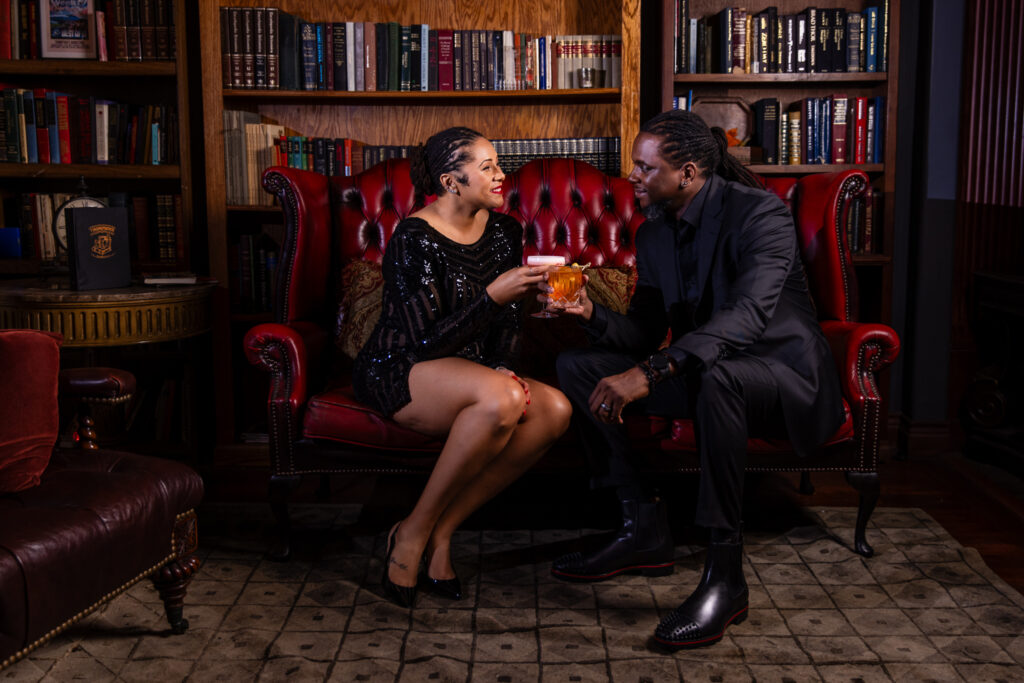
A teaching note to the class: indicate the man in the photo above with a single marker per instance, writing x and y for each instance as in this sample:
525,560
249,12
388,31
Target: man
720,270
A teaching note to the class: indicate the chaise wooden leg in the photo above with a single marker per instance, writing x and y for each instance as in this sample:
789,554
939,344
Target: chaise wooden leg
281,488
866,484
171,582
806,487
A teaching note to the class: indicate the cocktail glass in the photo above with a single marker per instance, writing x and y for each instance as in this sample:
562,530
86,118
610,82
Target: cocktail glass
538,260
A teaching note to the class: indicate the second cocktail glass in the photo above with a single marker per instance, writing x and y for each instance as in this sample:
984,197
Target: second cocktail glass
566,283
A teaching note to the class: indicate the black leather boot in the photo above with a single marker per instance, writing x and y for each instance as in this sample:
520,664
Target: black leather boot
720,599
643,544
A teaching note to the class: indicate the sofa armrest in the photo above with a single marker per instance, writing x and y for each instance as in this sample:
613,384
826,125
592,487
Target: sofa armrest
96,384
302,287
861,351
292,354
822,213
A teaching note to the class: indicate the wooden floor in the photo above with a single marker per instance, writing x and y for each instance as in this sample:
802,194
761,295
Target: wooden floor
980,505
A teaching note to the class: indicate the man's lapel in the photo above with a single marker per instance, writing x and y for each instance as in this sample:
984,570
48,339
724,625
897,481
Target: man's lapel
707,233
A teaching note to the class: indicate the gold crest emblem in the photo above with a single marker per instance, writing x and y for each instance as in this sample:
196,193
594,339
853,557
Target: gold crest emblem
102,240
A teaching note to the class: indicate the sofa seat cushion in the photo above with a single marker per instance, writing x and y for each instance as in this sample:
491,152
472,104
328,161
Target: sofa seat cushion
336,415
683,438
96,522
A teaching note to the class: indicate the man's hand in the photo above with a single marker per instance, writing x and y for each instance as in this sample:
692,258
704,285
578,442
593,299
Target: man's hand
614,393
584,309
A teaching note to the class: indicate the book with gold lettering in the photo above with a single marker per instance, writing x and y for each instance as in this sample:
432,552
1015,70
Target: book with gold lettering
99,247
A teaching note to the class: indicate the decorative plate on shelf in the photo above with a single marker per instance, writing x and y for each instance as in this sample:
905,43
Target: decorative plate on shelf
731,114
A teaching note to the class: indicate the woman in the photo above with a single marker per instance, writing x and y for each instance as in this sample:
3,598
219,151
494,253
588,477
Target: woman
439,360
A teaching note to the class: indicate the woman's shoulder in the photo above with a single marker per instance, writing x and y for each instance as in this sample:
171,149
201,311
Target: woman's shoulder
505,223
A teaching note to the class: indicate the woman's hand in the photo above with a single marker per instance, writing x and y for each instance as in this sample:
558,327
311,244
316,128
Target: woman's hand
516,283
522,383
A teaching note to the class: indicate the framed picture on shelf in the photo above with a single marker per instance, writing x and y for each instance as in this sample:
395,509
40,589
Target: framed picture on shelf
67,29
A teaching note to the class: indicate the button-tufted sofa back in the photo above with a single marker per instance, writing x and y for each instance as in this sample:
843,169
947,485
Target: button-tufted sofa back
566,207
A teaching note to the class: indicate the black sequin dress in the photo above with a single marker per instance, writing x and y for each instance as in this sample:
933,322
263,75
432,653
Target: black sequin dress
435,306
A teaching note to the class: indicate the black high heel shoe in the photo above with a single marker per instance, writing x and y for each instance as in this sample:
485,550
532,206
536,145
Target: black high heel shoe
450,589
403,596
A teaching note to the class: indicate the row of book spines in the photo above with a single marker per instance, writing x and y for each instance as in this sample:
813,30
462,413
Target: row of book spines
836,129
864,223
603,153
157,229
47,127
255,259
127,30
264,48
816,40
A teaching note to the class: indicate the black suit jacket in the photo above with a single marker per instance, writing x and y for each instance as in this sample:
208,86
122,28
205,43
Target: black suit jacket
753,301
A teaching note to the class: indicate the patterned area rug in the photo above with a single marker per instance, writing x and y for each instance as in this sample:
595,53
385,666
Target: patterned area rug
924,608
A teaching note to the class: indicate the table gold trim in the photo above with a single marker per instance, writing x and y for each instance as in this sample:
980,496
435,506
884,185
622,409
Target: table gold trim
141,317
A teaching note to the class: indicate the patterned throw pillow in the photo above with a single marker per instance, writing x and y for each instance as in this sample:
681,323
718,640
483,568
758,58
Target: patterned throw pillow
359,305
612,286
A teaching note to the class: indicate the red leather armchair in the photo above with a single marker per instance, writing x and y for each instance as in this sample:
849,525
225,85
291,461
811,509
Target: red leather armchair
567,208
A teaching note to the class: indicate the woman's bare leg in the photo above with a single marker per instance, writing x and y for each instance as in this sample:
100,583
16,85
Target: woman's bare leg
547,418
477,408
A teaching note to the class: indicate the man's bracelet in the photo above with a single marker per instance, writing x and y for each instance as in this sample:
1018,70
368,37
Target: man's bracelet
652,376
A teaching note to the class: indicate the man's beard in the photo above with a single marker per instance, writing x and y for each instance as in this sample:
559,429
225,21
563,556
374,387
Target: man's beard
655,211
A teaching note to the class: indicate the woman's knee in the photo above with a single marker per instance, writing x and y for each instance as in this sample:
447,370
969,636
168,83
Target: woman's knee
560,411
502,400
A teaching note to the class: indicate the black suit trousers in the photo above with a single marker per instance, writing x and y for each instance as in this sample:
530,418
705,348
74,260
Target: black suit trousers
738,397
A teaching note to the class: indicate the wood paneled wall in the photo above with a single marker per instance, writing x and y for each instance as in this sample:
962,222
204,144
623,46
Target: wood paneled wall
990,207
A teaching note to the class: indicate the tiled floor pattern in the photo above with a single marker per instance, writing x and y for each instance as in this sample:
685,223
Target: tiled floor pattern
923,608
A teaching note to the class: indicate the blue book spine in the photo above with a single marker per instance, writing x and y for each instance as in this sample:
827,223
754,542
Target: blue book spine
321,73
543,63
424,57
824,124
871,39
51,123
308,37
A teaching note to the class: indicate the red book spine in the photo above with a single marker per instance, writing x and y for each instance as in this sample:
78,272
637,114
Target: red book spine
63,129
445,60
5,29
860,135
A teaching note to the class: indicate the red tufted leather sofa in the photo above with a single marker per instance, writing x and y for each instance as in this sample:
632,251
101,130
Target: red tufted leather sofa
94,522
567,208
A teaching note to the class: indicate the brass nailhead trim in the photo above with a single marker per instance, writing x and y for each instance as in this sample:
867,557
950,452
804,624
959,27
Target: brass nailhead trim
106,598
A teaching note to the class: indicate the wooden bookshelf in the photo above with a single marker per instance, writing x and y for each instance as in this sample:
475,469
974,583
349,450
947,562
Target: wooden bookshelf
140,83
399,118
874,269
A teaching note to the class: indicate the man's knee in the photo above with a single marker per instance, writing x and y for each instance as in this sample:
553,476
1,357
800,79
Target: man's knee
574,366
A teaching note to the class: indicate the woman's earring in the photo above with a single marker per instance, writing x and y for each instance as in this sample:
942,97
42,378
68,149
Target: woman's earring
452,190
685,183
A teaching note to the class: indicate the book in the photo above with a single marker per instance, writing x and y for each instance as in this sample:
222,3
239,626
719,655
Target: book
170,278
871,31
99,248
858,124
766,133
840,107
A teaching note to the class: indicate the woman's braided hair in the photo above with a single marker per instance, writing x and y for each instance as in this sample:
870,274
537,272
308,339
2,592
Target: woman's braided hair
685,137
442,153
